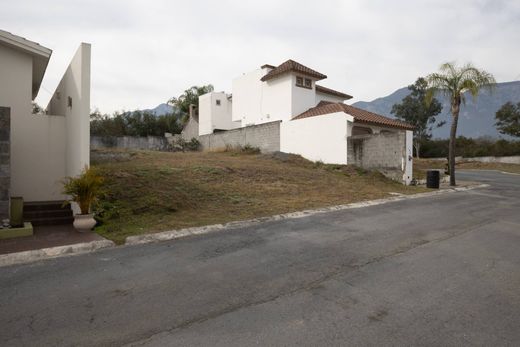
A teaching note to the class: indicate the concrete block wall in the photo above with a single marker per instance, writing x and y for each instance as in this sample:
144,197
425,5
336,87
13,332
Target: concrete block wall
153,143
5,161
265,136
376,151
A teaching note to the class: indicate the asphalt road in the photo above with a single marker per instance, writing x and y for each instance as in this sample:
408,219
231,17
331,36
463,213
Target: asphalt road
443,270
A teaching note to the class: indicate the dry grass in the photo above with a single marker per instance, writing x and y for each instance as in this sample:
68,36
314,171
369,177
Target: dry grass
153,191
421,165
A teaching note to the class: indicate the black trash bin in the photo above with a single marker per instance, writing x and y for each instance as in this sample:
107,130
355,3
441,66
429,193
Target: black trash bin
432,179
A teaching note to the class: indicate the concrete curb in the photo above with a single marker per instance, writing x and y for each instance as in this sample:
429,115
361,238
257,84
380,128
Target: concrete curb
53,252
175,234
502,172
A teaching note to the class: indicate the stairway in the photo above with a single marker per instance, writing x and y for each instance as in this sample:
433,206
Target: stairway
47,213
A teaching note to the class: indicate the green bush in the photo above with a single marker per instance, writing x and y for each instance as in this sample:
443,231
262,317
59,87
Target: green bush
468,147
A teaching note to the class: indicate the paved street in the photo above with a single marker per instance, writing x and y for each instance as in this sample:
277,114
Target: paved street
442,270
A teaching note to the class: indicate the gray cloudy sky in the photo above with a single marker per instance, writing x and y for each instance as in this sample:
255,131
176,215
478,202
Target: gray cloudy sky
144,52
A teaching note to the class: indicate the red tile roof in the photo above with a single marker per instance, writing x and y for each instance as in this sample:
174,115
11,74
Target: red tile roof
292,66
329,91
359,115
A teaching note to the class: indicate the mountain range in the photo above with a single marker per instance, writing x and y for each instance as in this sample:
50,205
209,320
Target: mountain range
160,110
476,119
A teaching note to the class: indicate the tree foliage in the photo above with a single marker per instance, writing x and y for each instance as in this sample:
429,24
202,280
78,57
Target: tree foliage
135,123
415,110
508,119
189,97
468,147
454,82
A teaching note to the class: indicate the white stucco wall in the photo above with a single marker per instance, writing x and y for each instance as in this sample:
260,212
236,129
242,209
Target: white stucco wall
213,116
321,138
247,93
256,102
327,97
45,148
302,98
37,141
75,86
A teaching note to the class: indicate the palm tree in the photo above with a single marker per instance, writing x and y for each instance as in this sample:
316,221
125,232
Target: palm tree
453,82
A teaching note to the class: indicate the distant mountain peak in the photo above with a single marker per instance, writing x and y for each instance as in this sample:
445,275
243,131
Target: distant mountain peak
476,119
160,109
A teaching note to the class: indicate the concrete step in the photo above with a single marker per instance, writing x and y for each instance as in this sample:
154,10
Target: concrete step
47,213
30,215
52,221
44,205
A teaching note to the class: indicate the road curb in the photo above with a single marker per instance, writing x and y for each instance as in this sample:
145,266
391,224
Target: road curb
176,234
53,252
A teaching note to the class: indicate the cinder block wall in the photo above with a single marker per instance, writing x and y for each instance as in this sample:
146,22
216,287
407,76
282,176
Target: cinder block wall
264,136
153,143
5,161
384,152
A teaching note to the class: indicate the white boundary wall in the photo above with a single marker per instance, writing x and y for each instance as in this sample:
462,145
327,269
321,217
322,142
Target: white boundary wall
322,138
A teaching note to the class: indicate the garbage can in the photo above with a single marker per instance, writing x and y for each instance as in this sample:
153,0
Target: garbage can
432,179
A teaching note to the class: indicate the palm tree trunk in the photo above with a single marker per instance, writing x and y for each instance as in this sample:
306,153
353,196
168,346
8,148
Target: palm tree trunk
417,149
455,108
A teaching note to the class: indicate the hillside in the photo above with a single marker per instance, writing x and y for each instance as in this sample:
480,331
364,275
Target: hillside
476,119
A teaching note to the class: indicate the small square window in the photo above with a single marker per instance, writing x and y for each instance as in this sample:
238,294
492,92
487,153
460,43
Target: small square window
218,102
308,83
299,81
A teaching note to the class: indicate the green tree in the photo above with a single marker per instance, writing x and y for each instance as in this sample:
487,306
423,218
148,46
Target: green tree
413,109
454,82
508,119
189,97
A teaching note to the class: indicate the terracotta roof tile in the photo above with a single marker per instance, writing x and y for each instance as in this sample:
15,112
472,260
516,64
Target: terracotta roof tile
292,66
329,91
359,115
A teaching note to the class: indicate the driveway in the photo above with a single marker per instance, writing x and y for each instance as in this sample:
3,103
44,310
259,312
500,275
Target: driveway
442,270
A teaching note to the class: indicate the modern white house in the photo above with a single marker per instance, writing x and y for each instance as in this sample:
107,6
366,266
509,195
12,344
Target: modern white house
284,108
38,150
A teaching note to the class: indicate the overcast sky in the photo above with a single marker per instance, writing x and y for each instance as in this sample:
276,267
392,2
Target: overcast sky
144,52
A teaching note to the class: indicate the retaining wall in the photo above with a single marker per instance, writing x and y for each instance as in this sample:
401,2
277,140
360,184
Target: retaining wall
5,161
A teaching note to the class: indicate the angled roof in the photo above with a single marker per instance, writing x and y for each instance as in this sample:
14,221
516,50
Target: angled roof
358,114
40,54
325,90
292,66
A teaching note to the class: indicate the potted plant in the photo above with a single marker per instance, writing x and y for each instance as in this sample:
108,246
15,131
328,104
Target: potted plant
84,190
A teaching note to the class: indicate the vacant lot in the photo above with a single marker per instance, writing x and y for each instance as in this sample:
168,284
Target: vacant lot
153,191
421,165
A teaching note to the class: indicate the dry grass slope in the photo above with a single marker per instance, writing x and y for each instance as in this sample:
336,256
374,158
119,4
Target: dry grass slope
154,191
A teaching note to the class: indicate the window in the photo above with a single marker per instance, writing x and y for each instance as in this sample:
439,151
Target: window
303,82
218,102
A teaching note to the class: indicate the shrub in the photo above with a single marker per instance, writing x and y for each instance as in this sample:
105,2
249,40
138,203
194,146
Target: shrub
84,189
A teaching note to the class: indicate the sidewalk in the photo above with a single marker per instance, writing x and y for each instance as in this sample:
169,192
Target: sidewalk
46,237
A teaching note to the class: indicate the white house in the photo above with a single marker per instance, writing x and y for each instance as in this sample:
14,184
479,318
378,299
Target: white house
314,120
38,150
